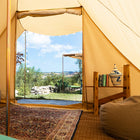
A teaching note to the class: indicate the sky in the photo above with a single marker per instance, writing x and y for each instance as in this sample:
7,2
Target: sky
45,52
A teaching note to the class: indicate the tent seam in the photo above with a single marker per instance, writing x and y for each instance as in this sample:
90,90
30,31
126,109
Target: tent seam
119,19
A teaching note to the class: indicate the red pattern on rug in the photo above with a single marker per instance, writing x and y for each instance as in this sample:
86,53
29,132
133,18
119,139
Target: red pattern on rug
38,123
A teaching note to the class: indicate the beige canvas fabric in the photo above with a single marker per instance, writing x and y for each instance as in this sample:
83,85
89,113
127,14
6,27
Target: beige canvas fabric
52,25
119,21
43,4
3,13
3,62
122,119
119,43
3,21
100,55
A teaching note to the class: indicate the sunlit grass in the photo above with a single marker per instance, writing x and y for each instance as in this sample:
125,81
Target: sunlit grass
57,96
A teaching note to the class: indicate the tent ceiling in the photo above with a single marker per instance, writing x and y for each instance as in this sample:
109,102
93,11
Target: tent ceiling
119,21
3,13
46,4
53,25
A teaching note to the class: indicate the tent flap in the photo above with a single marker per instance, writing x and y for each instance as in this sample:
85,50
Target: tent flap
75,11
119,21
100,55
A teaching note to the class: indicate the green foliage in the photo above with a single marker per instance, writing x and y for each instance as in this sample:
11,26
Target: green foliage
76,84
77,77
61,85
56,80
33,78
51,79
79,62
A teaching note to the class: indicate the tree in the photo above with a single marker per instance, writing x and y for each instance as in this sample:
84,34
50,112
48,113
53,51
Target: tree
62,85
76,79
19,58
79,62
78,76
33,78
51,79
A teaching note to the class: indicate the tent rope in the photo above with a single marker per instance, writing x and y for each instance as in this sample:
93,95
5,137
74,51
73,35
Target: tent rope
25,67
119,19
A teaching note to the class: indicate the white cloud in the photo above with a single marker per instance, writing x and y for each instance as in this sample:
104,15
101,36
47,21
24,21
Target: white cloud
37,39
44,44
20,47
55,48
27,61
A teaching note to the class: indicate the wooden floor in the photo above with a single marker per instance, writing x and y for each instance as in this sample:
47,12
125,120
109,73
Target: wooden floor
2,105
89,129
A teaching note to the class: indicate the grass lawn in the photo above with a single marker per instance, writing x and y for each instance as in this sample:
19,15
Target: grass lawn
59,96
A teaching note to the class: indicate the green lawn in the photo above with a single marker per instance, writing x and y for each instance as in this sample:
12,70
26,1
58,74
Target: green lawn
59,96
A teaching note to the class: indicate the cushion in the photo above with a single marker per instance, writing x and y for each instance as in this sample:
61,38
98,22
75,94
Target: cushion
122,119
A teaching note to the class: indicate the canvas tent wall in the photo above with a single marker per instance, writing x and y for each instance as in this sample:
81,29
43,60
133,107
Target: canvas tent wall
110,35
100,55
3,30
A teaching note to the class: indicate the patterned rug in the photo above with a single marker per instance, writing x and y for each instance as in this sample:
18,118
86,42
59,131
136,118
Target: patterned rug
36,123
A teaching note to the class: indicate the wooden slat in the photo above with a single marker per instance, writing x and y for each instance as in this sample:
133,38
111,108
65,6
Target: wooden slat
95,93
89,86
86,99
72,106
126,81
112,87
106,87
111,98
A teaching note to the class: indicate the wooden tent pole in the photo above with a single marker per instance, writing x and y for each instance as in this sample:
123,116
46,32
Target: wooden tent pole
25,68
62,72
15,47
8,47
84,89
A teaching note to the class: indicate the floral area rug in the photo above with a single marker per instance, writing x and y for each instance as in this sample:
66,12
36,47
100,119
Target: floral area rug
36,123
